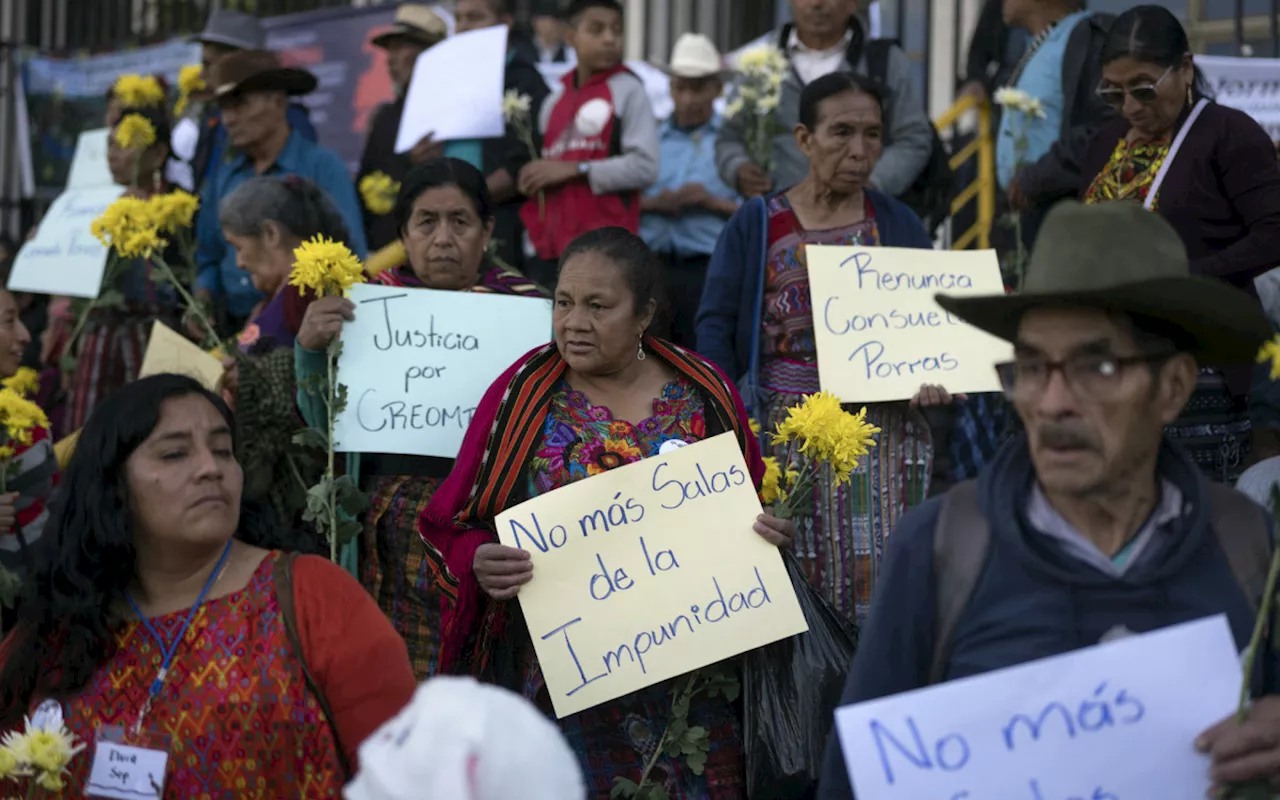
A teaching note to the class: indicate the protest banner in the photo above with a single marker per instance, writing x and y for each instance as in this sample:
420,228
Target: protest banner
1251,85
170,351
648,571
879,332
64,258
417,361
1102,723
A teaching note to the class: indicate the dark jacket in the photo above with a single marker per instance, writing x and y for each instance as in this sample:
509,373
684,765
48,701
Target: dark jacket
728,323
1032,601
1222,192
508,151
1058,173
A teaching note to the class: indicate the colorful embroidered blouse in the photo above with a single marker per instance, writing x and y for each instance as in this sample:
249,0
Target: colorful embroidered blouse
581,440
788,308
241,720
1128,174
616,738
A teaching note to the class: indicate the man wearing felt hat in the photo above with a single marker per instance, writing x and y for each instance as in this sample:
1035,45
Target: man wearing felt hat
416,28
685,210
1092,524
225,33
252,89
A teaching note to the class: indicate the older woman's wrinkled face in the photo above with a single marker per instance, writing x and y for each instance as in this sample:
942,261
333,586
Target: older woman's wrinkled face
184,481
1093,403
1150,97
14,336
846,142
267,258
446,239
597,328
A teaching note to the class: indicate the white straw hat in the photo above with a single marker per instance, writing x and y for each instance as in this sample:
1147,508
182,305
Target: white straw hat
695,56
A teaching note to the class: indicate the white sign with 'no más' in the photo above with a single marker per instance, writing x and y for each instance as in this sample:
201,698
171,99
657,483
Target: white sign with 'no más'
416,363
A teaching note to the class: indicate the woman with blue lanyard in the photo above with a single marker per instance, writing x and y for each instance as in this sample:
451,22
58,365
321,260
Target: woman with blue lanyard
159,627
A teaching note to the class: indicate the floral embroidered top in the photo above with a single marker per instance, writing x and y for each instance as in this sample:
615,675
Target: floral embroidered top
615,739
581,440
1129,173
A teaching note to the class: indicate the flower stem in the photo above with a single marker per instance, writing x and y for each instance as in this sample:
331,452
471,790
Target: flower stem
662,741
211,335
1259,633
333,490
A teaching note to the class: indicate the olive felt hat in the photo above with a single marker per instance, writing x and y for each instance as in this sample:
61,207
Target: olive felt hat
1120,257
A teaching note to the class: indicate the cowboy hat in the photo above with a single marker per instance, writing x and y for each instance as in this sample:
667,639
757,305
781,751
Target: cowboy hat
1120,257
416,22
695,56
232,29
257,71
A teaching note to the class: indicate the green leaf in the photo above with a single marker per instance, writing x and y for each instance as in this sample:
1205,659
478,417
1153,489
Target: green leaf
652,792
623,787
697,762
311,439
340,399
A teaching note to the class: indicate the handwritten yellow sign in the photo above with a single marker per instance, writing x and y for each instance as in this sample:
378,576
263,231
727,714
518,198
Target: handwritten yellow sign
169,351
647,572
879,332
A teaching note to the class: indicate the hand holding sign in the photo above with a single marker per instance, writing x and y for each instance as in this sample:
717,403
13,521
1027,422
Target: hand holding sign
646,572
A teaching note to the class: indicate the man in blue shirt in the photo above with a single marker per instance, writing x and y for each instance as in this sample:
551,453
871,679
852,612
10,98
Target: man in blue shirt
253,90
686,209
228,32
1062,69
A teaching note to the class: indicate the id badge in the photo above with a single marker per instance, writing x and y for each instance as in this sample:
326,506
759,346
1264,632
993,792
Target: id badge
128,766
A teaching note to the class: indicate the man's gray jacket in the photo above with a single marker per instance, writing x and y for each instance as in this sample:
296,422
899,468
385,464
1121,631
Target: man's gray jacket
908,135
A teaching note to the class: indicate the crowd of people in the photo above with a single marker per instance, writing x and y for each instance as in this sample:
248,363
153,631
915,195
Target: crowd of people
172,594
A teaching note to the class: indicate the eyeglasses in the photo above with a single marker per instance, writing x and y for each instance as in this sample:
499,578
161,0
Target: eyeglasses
1145,94
1086,375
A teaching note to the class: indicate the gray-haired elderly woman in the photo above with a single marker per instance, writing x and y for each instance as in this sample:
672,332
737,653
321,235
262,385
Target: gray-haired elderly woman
264,219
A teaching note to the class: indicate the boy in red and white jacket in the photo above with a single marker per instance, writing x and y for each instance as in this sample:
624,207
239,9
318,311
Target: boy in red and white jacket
599,143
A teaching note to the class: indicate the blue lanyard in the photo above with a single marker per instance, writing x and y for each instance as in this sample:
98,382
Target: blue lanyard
167,651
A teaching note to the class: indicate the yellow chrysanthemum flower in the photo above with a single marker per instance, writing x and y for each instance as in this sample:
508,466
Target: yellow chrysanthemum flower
8,763
48,750
326,267
51,781
379,192
138,91
135,132
828,434
1270,352
26,381
174,210
20,417
770,488
129,227
190,80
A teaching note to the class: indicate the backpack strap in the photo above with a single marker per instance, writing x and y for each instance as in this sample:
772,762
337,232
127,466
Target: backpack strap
1241,530
282,578
961,541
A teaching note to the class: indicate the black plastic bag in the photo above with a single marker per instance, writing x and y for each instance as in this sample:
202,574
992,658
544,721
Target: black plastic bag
790,690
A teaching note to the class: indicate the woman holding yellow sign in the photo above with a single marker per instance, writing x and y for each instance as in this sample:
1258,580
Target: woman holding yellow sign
604,394
756,323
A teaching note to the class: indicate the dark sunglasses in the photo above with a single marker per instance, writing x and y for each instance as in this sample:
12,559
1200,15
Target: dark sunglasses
1145,93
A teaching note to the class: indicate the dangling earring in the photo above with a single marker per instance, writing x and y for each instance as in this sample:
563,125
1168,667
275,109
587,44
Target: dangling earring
1191,98
640,356
156,179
